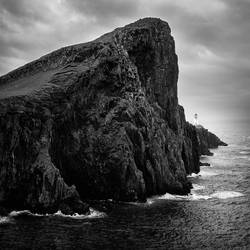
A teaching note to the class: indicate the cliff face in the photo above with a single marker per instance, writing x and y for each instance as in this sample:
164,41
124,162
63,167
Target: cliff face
28,177
207,140
97,120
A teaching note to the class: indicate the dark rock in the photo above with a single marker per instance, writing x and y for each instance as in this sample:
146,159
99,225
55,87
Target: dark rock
28,178
98,120
3,211
207,140
204,164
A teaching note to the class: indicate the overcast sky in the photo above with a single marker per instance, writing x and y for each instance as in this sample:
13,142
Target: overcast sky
212,42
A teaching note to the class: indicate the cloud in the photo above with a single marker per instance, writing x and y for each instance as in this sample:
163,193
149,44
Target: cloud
104,11
212,41
30,29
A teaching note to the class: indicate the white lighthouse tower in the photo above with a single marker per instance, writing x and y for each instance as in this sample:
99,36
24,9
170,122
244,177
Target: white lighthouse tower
196,123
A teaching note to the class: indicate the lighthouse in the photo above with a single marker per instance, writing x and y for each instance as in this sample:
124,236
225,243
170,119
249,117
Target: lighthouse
196,120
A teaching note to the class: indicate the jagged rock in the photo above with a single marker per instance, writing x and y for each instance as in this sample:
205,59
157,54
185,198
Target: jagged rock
204,164
207,140
28,178
97,120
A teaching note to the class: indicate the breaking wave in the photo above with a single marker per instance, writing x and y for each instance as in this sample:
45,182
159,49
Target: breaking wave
226,194
197,187
244,152
193,175
4,220
92,214
194,196
203,173
191,196
24,212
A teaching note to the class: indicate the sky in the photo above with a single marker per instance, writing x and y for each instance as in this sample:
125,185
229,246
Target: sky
212,43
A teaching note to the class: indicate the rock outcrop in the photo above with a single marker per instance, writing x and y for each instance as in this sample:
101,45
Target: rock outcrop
97,120
207,140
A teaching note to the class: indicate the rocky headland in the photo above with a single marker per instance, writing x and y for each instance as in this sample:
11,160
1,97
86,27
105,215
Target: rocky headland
97,120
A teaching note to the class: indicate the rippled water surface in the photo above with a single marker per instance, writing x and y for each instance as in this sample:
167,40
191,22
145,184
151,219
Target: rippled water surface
215,216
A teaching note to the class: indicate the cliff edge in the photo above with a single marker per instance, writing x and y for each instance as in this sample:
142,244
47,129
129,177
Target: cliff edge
97,120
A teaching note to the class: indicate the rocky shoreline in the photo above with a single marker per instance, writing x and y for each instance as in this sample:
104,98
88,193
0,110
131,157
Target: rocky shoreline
98,120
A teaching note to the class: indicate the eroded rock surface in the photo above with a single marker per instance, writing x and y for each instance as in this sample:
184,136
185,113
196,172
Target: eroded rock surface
101,121
208,140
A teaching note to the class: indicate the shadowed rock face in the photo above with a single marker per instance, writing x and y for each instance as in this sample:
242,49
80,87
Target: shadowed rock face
101,121
207,140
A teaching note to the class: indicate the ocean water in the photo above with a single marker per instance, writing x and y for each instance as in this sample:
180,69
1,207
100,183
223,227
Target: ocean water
216,215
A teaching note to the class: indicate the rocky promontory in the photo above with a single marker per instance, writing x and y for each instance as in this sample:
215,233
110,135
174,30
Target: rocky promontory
207,140
97,120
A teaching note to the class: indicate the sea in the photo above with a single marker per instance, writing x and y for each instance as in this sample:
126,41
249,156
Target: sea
216,215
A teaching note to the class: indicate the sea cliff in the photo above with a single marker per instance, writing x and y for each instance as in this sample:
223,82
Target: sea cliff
97,120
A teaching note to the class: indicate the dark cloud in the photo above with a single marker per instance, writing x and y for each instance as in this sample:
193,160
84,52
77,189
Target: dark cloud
213,50
104,11
23,11
212,42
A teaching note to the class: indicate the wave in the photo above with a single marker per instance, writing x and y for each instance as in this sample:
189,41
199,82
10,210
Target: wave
242,157
193,175
192,196
195,197
149,201
189,197
203,173
226,194
135,203
197,187
244,152
24,212
4,220
92,214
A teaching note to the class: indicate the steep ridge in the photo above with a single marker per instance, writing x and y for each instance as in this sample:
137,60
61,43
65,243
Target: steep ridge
98,120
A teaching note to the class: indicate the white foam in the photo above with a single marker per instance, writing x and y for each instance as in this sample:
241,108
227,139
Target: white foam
16,213
194,196
226,194
205,173
244,152
150,201
189,197
96,214
197,187
242,157
193,175
168,196
92,214
4,220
